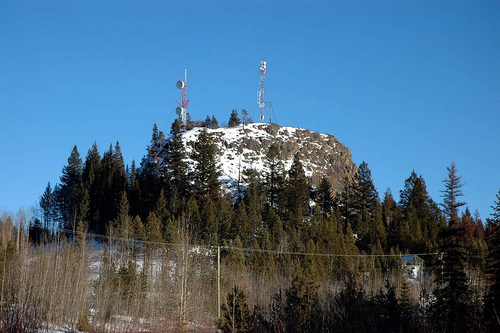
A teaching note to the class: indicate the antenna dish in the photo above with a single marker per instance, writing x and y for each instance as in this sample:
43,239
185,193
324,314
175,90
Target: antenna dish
178,110
180,84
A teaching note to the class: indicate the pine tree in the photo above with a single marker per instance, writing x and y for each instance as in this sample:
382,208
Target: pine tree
452,309
234,119
153,232
451,193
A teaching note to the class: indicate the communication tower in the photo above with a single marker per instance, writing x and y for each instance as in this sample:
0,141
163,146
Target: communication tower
181,109
260,93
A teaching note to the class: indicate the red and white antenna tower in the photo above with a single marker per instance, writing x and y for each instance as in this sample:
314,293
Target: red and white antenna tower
260,93
181,109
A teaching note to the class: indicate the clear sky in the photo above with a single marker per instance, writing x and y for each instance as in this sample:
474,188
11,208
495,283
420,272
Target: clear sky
406,85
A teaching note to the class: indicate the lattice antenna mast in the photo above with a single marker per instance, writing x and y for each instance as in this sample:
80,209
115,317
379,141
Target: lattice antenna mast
260,93
181,109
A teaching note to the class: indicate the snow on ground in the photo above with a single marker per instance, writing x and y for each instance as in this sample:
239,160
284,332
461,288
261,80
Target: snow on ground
234,158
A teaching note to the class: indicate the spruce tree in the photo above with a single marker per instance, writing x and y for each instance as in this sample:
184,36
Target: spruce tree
324,198
370,226
174,166
215,123
421,214
253,204
47,206
208,122
206,170
297,193
112,183
235,313
92,183
151,178
71,190
153,232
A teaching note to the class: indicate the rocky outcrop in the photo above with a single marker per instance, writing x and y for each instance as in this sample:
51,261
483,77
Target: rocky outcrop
322,155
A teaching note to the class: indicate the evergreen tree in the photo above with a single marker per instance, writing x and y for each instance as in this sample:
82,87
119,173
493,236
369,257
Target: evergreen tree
297,193
492,304
92,182
234,119
391,217
206,171
112,183
47,206
192,217
253,205
134,192
71,190
123,224
161,211
153,232
174,167
451,193
208,122
85,207
235,313
215,123
324,198
302,309
421,214
274,177
363,210
151,178
453,310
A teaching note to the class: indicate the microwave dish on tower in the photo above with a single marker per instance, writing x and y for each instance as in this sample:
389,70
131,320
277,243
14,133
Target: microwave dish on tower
260,93
181,109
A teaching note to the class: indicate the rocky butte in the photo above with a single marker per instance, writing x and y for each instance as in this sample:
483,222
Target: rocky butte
244,148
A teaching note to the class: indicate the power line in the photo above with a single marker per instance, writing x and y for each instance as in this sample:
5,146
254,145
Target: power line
249,249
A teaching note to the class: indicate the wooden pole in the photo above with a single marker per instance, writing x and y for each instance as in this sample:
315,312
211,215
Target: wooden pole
218,282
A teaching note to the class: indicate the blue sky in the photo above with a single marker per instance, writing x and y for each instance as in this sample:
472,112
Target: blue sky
406,85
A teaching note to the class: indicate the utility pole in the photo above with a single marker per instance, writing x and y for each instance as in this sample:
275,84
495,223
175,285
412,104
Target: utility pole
218,282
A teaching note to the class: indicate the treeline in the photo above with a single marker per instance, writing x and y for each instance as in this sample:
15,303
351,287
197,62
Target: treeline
327,261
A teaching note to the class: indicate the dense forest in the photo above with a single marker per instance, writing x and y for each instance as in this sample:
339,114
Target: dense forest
164,249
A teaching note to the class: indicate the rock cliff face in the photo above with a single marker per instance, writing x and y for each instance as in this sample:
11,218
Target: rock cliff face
243,149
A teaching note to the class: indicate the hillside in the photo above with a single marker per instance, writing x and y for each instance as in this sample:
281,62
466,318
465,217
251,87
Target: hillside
241,149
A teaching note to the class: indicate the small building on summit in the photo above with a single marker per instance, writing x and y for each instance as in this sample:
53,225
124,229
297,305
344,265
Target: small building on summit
413,266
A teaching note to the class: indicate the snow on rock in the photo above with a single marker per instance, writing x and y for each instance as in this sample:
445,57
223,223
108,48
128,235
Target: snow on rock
244,148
